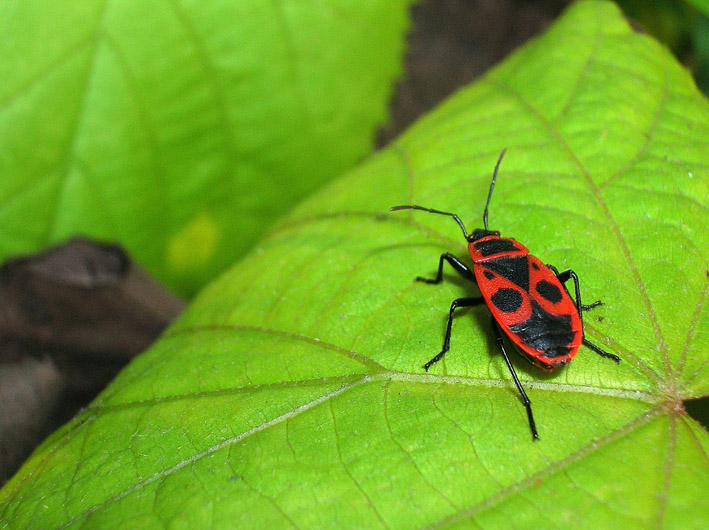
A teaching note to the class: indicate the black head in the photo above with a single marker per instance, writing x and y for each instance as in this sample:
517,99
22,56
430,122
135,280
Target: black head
479,233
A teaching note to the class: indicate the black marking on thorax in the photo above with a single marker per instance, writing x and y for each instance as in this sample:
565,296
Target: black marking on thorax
513,269
495,246
546,332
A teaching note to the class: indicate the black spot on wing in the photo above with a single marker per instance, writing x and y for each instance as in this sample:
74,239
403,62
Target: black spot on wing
495,246
545,332
549,291
515,270
488,275
507,300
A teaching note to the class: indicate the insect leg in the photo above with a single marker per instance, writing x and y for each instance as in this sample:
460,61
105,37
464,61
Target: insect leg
563,278
525,399
462,269
600,351
460,302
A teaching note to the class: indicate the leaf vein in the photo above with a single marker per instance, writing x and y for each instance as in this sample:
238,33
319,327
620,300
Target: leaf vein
70,147
605,211
385,402
347,470
554,467
217,447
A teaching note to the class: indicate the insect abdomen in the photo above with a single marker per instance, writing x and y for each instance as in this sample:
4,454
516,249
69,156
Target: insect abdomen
547,340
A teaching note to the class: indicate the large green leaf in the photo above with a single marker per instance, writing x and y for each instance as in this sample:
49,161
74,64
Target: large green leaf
292,393
180,128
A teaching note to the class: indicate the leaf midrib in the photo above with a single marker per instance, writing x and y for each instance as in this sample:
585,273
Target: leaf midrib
367,378
388,375
377,375
375,371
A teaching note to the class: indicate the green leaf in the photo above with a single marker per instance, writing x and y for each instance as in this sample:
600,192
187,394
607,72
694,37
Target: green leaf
182,129
701,5
292,393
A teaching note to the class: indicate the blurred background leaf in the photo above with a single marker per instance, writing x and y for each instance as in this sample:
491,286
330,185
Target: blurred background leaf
683,26
183,130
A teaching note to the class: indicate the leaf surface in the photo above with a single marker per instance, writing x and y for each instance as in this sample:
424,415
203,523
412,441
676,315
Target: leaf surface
292,393
181,129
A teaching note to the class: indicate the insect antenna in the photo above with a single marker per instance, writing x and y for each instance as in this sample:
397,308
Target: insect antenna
431,210
492,186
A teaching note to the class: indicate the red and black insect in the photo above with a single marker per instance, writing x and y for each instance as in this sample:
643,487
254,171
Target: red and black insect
528,300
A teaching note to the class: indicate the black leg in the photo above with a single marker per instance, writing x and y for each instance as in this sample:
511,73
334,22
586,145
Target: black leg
563,278
458,265
525,399
600,351
460,302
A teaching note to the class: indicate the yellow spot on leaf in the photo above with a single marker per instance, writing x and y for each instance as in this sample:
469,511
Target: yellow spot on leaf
193,246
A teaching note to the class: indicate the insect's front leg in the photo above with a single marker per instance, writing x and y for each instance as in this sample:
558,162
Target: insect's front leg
460,267
460,302
467,273
563,278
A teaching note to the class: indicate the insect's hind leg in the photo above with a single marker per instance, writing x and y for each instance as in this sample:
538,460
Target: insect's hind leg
563,278
525,399
460,267
600,351
460,302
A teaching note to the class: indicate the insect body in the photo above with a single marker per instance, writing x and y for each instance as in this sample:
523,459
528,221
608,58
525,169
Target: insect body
528,300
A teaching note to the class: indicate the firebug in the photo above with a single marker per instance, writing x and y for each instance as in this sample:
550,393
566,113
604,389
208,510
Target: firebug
528,300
